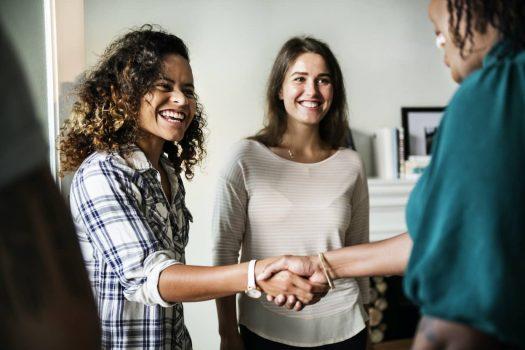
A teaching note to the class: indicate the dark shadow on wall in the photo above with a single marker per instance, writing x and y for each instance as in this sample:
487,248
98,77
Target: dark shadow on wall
363,145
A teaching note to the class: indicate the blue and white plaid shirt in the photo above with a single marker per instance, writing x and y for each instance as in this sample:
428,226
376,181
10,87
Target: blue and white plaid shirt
129,232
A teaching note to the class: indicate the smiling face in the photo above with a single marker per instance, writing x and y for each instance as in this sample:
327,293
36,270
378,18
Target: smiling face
167,111
460,67
307,90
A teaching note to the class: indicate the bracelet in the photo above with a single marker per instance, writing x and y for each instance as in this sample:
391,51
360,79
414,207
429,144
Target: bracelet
325,270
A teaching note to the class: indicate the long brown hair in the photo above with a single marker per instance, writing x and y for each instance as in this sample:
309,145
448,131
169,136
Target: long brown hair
333,128
105,115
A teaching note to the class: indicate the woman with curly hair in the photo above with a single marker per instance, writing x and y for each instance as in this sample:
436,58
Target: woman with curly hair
463,256
136,127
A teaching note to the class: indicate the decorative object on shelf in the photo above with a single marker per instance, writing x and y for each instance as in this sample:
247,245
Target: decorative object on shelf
415,165
378,305
391,315
420,125
388,153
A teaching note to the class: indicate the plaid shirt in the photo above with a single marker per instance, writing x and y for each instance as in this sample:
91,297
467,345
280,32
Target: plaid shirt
129,232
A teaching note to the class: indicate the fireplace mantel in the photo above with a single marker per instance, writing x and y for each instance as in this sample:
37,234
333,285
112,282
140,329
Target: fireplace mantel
388,199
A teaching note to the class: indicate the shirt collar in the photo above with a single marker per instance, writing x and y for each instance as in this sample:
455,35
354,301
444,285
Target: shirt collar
501,49
137,160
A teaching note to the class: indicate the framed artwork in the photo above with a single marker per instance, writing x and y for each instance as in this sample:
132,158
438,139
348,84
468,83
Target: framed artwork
419,127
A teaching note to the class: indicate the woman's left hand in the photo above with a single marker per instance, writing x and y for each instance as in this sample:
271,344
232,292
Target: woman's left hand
296,288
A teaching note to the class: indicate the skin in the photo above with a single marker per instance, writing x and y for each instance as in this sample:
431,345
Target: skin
175,94
390,257
460,67
307,94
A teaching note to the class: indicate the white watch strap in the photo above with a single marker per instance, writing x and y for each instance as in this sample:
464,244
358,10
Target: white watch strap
251,275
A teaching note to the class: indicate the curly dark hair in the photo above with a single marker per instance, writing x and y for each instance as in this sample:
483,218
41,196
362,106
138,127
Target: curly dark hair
105,115
333,129
506,16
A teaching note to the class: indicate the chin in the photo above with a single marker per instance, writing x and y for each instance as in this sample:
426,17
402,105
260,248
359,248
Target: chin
173,138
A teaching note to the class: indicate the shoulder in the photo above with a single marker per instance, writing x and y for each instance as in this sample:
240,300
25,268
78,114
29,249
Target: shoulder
245,148
481,91
242,156
102,167
351,158
243,151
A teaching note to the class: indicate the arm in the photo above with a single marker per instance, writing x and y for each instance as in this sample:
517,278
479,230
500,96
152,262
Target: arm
109,206
178,283
386,257
48,300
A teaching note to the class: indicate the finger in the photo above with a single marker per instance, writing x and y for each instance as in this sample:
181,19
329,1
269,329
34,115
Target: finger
319,288
302,289
315,300
298,306
290,301
272,268
269,297
279,300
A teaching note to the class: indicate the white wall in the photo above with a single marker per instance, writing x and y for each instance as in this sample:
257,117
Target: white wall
23,20
385,48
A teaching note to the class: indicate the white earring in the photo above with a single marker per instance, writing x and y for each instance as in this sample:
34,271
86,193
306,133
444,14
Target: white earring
440,41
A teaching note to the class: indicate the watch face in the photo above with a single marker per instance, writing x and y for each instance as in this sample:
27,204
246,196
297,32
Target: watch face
254,293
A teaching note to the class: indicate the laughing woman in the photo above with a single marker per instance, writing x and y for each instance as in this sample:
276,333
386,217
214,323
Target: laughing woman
136,127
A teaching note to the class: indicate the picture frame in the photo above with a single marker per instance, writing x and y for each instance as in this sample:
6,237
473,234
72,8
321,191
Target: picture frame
419,126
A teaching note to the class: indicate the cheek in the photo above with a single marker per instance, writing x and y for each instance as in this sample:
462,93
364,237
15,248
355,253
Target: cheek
328,94
289,93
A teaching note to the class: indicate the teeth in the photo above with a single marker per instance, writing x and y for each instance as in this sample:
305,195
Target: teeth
310,104
172,115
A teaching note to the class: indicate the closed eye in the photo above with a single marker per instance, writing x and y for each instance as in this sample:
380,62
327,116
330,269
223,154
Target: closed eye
189,93
164,86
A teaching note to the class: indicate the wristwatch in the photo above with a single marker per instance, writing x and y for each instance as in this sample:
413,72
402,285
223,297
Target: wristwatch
252,291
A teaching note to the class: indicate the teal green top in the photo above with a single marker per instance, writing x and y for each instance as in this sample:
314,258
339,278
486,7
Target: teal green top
466,214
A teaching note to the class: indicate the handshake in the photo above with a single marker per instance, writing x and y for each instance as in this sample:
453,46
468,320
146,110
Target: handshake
294,281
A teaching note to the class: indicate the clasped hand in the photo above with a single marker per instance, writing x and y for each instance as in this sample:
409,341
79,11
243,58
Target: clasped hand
293,281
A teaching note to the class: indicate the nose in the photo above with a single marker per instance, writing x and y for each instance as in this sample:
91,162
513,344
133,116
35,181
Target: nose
311,88
178,97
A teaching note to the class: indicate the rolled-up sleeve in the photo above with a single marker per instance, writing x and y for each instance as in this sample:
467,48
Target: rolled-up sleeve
107,204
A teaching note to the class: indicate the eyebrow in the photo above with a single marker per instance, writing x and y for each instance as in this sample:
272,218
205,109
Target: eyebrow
304,73
173,82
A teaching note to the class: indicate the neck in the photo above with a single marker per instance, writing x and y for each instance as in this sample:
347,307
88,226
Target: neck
152,148
302,139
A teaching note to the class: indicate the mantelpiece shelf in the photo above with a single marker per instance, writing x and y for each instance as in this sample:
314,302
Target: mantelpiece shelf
388,200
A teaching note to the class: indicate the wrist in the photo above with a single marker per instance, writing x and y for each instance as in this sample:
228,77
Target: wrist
229,332
325,267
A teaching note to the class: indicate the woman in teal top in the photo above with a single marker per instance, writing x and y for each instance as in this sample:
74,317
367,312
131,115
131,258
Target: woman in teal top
462,258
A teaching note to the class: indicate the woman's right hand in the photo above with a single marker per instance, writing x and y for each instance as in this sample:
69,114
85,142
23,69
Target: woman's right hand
232,341
290,284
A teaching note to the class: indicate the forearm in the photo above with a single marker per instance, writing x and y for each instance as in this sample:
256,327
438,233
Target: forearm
227,316
182,283
386,257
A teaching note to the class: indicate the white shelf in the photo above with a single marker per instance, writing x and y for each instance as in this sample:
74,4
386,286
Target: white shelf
388,199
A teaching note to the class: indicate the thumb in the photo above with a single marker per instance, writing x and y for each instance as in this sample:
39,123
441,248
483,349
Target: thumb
270,269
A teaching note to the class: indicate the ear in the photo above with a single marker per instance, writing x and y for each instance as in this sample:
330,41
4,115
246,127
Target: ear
281,94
